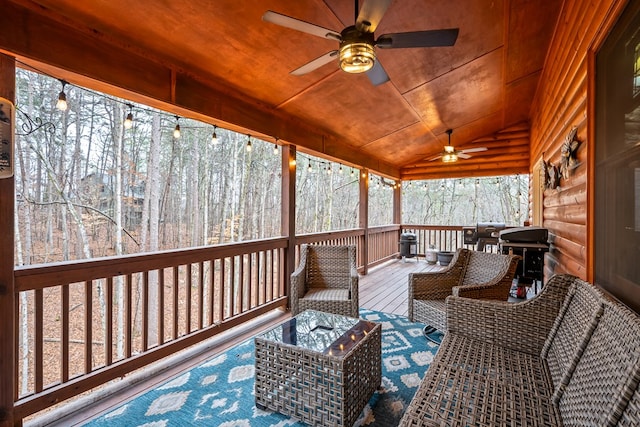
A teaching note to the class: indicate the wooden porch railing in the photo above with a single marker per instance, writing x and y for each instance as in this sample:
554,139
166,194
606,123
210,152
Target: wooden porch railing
441,237
81,324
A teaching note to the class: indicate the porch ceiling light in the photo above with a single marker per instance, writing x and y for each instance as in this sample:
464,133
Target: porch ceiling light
449,156
356,51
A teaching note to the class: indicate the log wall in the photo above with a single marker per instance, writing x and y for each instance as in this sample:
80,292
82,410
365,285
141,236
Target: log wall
564,99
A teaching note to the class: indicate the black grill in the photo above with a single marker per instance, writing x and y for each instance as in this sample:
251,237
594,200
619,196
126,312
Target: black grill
484,233
531,244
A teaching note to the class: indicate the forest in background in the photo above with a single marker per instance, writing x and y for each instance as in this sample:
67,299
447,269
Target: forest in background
87,186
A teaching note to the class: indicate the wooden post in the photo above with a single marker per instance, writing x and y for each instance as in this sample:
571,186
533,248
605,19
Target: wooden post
364,217
397,204
288,214
7,285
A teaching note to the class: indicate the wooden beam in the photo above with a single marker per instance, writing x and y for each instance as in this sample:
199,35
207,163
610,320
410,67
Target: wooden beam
8,302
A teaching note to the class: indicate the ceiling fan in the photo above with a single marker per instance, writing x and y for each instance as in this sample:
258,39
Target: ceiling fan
450,154
356,53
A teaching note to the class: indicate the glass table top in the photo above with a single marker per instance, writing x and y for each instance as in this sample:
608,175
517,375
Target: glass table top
320,332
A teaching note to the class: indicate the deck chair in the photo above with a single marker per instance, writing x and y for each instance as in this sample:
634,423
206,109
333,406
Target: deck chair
470,274
326,280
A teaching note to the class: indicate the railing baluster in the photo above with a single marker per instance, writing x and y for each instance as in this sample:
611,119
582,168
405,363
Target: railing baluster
267,275
108,334
65,334
145,310
201,305
188,283
222,283
212,295
232,285
39,340
250,281
161,308
128,316
176,278
88,326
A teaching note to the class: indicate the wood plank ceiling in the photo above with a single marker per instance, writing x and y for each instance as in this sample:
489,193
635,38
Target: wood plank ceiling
482,87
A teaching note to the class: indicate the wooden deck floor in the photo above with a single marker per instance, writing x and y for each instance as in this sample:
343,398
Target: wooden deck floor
385,287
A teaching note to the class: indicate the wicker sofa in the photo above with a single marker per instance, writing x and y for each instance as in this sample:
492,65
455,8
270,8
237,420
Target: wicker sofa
568,357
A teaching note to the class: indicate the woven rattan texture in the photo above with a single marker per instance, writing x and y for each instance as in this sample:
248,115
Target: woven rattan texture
631,415
484,275
316,388
491,369
522,327
433,310
324,267
607,371
582,307
454,394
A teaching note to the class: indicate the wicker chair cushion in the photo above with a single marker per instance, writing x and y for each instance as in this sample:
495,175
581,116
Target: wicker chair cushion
572,329
607,373
321,294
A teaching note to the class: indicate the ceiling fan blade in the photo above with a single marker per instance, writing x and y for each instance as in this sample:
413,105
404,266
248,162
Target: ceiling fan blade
316,63
463,156
473,150
370,15
428,38
439,156
377,75
299,25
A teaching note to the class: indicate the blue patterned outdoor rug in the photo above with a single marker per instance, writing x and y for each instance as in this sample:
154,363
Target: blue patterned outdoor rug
219,392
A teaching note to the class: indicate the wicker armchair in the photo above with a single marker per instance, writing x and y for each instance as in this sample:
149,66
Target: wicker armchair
470,274
326,280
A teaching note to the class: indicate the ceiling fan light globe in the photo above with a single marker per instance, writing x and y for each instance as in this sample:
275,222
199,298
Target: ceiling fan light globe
449,157
449,149
357,57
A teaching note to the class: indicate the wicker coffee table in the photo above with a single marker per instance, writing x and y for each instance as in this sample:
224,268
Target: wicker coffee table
319,368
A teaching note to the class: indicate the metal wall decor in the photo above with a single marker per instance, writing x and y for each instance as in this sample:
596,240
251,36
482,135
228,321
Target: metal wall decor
568,153
568,161
551,175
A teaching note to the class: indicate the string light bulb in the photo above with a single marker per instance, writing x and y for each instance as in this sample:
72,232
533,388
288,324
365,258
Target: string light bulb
176,130
275,147
62,98
214,137
128,122
309,168
249,146
340,170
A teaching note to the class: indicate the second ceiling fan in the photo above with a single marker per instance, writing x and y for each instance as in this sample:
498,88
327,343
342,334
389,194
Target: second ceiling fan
356,50
450,154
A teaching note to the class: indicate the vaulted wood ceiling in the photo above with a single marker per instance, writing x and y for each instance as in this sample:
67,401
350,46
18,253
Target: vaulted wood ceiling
218,61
